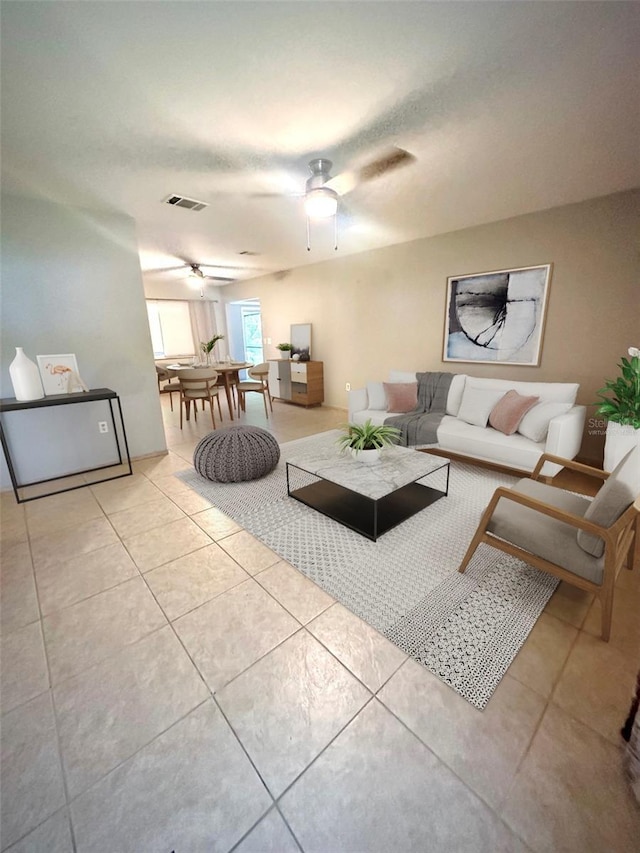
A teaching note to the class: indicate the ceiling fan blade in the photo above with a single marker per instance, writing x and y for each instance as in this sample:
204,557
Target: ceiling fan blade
219,278
164,269
392,159
276,195
344,182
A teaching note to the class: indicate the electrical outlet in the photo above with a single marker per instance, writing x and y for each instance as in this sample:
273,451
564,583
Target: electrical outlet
103,426
347,386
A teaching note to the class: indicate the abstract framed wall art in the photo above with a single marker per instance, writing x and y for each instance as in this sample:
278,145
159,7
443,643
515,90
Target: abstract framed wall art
497,317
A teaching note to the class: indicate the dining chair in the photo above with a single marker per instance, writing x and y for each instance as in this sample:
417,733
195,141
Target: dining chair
198,383
171,387
583,542
232,378
257,382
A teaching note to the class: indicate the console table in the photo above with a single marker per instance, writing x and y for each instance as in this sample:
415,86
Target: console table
10,404
300,382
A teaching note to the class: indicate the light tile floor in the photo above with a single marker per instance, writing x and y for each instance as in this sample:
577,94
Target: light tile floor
169,684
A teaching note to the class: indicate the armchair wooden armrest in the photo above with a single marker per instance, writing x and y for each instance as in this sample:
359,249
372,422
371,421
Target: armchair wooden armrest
568,463
576,521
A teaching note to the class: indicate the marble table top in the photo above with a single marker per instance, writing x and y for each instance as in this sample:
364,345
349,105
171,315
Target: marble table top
396,467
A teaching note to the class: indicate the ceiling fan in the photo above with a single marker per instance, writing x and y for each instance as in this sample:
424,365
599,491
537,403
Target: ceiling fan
322,191
199,278
195,270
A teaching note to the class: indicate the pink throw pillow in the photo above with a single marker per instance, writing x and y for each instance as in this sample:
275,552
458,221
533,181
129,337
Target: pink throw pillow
401,396
509,411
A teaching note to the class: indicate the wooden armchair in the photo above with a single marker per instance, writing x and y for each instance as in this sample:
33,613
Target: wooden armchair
580,541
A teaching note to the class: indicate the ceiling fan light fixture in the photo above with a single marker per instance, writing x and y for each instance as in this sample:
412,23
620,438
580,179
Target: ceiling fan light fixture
321,203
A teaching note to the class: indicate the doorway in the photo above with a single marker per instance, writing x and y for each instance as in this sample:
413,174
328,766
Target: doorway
244,324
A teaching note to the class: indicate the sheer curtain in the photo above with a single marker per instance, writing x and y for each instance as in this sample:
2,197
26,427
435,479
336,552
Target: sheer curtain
203,322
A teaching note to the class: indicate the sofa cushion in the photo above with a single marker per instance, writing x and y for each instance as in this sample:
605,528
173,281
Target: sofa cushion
377,397
535,424
401,396
376,417
549,392
477,403
509,411
619,491
515,450
454,397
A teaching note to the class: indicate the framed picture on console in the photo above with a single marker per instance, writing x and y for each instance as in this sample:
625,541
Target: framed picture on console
59,374
497,317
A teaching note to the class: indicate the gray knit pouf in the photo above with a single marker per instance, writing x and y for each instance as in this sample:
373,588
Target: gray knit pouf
235,454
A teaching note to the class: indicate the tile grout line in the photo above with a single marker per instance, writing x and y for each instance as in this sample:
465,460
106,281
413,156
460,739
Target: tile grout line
438,758
302,627
63,771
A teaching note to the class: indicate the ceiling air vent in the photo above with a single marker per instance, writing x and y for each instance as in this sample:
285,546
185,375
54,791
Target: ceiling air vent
188,203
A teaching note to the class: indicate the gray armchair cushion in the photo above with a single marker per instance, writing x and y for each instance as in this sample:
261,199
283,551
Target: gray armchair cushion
619,491
543,536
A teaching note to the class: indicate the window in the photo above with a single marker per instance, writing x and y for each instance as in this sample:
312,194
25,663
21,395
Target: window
170,326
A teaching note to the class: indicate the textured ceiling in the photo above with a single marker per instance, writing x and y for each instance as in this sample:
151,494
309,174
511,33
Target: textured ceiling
508,108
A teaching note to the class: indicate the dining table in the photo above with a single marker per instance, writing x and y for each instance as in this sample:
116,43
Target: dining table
227,369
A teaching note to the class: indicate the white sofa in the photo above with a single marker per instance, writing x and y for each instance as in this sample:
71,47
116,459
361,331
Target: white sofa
563,436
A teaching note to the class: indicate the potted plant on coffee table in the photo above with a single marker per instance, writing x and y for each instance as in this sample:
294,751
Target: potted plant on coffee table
366,441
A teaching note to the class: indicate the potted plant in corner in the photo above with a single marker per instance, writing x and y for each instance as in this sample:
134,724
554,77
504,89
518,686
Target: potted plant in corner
365,441
622,410
285,349
207,347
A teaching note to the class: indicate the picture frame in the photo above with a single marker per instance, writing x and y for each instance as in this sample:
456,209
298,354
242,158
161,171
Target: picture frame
300,334
59,374
497,317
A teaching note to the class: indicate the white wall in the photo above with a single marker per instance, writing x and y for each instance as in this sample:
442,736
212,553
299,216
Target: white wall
71,282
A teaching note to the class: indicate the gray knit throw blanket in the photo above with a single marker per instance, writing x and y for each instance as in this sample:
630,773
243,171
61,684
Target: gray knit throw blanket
420,426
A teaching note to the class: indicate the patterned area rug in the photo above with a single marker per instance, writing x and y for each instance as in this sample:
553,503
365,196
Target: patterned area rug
465,628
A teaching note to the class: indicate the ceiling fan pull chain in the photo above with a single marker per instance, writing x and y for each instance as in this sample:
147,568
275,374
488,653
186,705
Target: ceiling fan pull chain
308,236
335,233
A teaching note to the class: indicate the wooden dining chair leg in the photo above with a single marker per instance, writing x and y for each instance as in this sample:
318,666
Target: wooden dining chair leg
219,408
213,417
266,410
270,401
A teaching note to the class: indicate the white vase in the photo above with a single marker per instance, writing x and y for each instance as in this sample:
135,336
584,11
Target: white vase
367,457
619,440
25,378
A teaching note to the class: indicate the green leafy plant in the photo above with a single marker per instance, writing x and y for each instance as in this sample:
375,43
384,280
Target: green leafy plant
366,436
207,346
624,406
284,347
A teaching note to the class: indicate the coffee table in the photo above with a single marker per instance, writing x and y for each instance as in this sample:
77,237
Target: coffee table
370,499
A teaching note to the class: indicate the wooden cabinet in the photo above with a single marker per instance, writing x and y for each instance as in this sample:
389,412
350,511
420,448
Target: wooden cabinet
300,382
